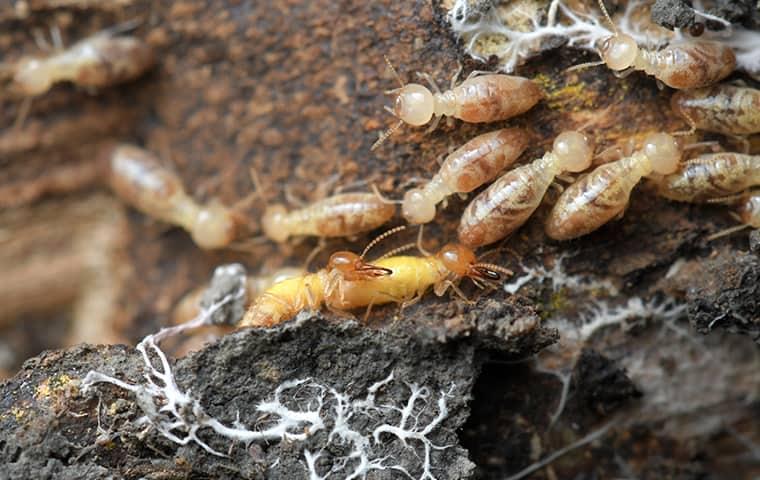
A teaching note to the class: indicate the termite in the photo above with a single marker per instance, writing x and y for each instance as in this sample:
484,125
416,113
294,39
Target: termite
478,99
684,65
508,203
603,194
710,176
721,108
409,278
102,60
470,166
139,178
342,215
189,306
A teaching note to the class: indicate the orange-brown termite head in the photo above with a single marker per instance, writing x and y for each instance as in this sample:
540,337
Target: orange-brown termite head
415,104
462,261
352,267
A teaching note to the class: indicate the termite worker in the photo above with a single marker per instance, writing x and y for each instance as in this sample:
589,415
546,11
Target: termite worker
342,215
479,99
101,60
692,64
470,166
603,194
508,202
409,278
721,108
138,177
710,176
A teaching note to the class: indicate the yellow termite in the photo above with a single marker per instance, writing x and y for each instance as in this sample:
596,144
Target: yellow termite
101,60
140,179
479,99
342,215
508,202
684,65
720,108
603,194
189,306
710,176
409,278
470,166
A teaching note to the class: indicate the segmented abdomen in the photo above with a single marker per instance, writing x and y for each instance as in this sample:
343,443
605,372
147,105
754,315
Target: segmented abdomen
489,98
505,205
595,199
711,176
112,60
285,299
138,178
341,215
482,158
690,65
720,108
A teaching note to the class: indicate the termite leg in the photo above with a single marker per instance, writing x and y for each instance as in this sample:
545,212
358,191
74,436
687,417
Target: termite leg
420,247
310,257
448,284
383,198
691,123
726,232
23,113
727,200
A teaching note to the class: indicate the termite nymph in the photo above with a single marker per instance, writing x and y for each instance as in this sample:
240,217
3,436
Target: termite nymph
138,177
710,176
508,202
721,108
101,60
685,65
409,278
603,194
341,215
479,99
470,166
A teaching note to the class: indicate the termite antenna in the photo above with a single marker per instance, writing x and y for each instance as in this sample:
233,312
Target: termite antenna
607,15
396,251
393,71
386,134
380,238
691,123
727,200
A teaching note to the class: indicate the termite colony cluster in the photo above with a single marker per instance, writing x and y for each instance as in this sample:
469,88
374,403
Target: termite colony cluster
693,67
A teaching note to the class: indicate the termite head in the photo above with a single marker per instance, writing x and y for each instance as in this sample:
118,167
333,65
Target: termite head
273,223
663,152
573,151
619,51
418,207
462,261
214,226
415,104
352,267
32,77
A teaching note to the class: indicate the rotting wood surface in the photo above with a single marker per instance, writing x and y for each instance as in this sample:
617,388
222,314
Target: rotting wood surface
293,90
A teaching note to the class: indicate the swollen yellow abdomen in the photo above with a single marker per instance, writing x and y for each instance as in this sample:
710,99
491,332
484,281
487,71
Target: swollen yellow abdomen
285,299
